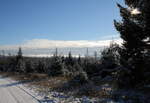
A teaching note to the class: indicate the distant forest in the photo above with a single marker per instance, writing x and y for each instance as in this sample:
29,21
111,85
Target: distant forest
83,67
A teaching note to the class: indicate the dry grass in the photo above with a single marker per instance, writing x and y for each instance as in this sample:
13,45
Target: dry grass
22,77
51,82
45,83
37,79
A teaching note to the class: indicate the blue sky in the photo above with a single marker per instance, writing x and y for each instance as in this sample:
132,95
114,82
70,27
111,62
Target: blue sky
23,20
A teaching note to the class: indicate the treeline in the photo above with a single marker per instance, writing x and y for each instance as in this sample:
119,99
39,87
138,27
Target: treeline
84,67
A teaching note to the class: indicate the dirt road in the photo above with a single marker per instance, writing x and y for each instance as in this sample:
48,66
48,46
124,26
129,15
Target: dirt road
11,92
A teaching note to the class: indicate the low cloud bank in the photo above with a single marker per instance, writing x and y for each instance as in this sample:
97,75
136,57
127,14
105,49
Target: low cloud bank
46,48
45,44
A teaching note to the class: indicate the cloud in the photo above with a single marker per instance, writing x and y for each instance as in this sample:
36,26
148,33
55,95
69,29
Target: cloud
110,37
45,47
45,43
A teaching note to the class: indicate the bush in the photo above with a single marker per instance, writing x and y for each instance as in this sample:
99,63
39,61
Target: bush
110,56
56,68
41,67
21,66
29,66
80,79
110,60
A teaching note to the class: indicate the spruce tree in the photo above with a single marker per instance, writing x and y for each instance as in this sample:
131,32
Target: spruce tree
19,56
20,63
135,32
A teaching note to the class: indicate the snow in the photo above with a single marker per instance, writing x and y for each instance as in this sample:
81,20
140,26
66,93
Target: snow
12,93
17,92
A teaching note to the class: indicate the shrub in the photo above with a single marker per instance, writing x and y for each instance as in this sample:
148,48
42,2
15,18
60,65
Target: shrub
80,78
56,68
110,60
110,56
29,66
21,66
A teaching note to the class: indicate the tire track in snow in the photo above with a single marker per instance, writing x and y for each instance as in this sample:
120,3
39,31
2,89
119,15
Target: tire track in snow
14,93
13,96
26,92
29,94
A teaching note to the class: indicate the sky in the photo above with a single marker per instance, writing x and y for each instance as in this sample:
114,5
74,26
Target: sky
40,22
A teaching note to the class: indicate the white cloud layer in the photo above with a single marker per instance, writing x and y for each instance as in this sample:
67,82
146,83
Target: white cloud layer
45,43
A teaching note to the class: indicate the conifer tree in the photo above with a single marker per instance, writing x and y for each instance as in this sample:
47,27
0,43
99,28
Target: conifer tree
20,63
19,56
135,32
69,60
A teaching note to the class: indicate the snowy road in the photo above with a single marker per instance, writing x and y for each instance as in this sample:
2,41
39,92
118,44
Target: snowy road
11,92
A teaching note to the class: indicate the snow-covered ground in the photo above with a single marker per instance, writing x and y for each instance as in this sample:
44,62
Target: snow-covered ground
12,91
